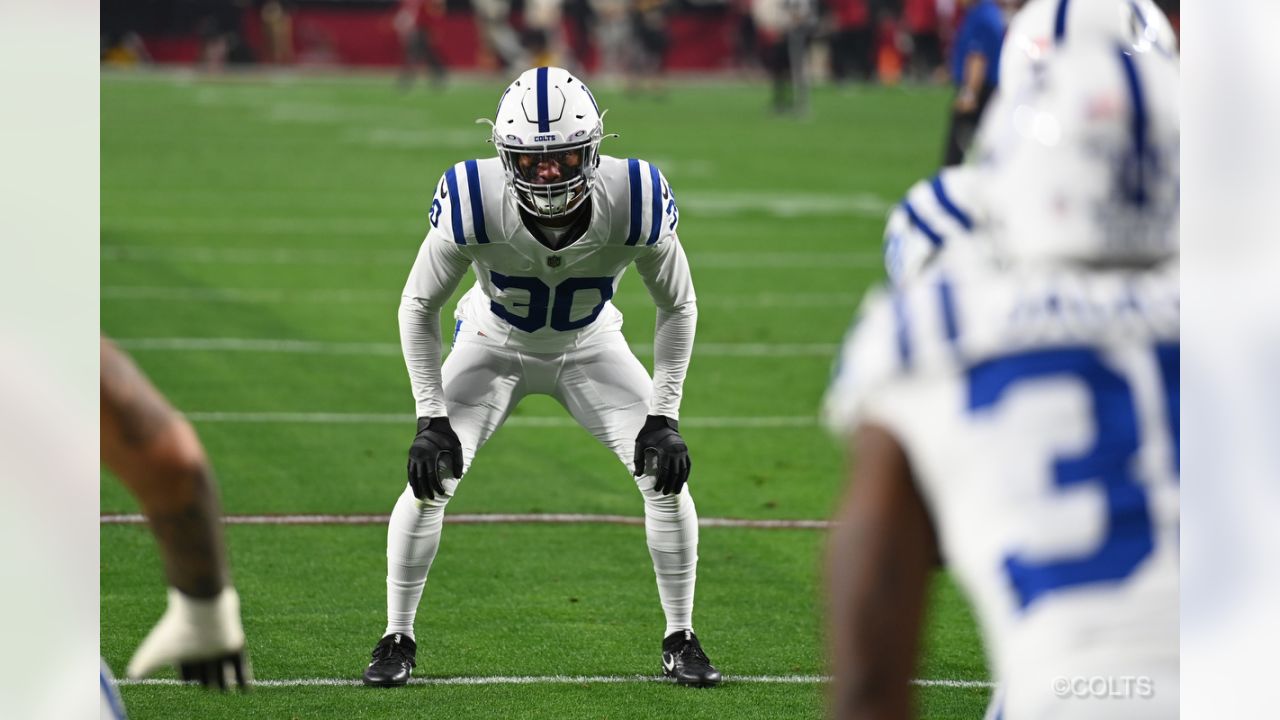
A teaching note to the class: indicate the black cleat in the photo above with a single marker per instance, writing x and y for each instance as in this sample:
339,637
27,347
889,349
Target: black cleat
393,660
683,660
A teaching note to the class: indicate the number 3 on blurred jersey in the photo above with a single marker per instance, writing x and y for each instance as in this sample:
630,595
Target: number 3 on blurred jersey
1108,462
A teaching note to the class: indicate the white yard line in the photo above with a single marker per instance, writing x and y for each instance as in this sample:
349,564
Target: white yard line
485,519
314,347
558,680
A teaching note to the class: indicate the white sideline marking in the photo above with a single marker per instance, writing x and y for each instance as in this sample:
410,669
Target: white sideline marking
558,680
741,259
485,519
314,347
548,421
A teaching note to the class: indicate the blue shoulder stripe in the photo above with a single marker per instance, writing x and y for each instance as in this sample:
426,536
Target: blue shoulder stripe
952,209
947,301
633,180
1135,180
544,114
902,330
1060,22
477,202
655,204
916,220
455,210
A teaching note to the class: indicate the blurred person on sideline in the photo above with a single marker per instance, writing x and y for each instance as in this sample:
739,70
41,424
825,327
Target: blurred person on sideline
851,46
412,22
156,454
1015,417
544,33
612,36
277,30
784,27
975,70
920,20
502,48
649,46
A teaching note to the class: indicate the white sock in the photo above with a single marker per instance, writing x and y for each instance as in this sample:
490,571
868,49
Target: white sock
671,530
413,537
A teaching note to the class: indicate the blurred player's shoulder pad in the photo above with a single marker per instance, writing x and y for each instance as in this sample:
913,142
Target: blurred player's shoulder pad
937,213
641,205
468,202
959,313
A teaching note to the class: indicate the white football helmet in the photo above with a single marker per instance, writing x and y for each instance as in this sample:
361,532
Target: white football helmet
1042,25
548,131
1090,170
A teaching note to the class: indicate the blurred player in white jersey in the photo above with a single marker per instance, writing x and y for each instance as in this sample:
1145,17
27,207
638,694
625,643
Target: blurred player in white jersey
549,227
1018,421
944,210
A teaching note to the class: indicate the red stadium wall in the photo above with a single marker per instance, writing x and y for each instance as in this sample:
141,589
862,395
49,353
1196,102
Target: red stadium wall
366,38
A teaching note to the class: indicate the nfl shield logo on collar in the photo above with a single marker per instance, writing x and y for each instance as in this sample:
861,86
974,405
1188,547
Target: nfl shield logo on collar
553,261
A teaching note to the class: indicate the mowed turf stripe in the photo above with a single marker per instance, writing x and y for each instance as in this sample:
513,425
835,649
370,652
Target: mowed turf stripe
560,680
741,259
335,296
485,519
714,423
315,347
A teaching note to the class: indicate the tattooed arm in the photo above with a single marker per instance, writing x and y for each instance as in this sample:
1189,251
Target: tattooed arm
879,558
156,454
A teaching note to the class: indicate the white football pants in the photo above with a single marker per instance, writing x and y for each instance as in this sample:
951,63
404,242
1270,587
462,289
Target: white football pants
606,389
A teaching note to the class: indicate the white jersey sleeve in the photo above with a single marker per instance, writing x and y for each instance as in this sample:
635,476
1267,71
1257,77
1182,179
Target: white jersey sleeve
665,271
440,265
935,214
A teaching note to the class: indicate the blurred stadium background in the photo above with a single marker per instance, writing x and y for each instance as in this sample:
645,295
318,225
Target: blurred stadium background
257,229
845,40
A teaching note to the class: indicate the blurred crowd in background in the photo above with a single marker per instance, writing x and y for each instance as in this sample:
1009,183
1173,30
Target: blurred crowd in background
841,40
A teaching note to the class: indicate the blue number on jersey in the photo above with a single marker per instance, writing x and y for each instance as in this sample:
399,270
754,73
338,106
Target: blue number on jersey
1169,358
436,207
540,298
1108,463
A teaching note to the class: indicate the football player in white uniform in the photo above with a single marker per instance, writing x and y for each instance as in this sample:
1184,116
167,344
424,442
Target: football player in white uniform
1019,421
549,227
945,211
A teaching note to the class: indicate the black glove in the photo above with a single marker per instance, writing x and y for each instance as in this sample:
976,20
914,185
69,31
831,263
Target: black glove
227,672
436,444
660,435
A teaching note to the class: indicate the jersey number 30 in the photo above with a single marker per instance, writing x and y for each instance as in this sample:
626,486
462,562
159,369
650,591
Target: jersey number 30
540,299
1108,463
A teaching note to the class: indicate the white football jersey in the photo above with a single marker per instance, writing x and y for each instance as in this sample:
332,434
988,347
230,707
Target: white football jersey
940,212
1039,411
530,297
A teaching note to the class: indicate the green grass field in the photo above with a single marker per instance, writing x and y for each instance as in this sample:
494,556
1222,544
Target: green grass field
243,212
